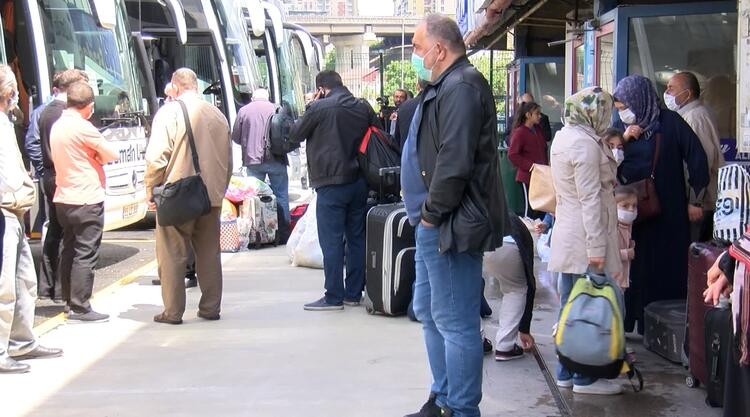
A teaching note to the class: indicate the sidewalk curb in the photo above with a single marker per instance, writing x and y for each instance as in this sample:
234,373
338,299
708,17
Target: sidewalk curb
58,320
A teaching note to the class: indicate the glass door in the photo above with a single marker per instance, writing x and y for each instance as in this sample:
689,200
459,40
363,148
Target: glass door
604,49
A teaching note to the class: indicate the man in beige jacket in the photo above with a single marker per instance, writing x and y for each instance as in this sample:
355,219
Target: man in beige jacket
168,159
683,95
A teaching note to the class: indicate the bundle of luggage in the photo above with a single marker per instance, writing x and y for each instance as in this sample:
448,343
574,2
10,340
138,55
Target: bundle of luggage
690,332
249,215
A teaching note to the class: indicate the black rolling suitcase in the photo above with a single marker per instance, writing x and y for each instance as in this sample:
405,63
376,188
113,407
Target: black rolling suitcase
665,328
719,337
390,250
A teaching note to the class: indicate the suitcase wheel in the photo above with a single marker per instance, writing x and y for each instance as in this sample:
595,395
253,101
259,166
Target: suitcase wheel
370,310
692,382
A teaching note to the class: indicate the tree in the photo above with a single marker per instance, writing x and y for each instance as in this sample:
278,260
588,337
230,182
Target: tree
392,77
331,60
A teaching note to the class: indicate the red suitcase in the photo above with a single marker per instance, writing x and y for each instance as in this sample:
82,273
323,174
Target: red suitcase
702,256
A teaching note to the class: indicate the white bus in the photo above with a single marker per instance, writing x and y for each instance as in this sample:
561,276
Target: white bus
47,36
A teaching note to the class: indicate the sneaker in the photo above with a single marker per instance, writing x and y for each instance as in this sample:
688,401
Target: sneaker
486,345
322,305
565,383
351,303
514,353
88,317
429,409
600,387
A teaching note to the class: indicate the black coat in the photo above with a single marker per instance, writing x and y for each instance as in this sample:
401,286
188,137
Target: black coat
333,127
520,233
405,114
457,146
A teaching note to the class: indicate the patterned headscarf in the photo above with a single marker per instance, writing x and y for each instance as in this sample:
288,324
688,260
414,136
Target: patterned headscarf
591,107
638,93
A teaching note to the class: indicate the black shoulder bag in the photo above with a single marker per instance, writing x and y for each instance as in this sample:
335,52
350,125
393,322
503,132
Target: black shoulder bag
185,199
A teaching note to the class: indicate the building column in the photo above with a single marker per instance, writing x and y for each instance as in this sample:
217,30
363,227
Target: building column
352,61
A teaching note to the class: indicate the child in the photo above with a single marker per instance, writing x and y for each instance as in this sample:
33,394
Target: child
512,266
627,211
614,138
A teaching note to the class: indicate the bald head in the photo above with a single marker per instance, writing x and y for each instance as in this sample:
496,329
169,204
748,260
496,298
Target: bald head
184,80
684,87
527,98
260,94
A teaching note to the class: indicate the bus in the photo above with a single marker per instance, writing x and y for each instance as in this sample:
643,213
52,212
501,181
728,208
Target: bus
213,43
46,36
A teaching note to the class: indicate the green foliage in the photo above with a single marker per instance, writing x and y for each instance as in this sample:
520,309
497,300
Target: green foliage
499,71
331,60
393,77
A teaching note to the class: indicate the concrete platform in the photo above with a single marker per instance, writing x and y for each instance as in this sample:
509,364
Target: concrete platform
267,357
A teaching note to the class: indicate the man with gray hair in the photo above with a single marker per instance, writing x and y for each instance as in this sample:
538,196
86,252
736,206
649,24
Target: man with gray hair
454,197
250,131
169,159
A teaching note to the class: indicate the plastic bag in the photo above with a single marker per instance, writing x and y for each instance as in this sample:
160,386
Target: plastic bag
241,187
303,245
543,246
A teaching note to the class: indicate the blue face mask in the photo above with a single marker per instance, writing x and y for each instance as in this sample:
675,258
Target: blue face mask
418,63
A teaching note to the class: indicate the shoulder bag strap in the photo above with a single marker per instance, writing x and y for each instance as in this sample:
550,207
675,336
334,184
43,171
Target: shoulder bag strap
656,155
191,138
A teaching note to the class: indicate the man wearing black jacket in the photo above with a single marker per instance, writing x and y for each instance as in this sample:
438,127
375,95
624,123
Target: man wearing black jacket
49,281
334,125
454,197
406,113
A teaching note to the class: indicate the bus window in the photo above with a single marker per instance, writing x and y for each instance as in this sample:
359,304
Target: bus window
242,65
76,41
292,95
707,45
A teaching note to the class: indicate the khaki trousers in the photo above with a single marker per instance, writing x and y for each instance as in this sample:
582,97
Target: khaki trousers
172,251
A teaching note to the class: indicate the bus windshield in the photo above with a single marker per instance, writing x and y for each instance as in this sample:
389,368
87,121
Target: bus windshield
75,40
242,64
292,94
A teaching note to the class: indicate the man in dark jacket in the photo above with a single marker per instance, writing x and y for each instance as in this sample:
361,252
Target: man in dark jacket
454,196
334,125
406,113
49,282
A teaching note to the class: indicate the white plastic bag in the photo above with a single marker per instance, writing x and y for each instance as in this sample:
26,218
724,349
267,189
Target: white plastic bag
304,240
543,246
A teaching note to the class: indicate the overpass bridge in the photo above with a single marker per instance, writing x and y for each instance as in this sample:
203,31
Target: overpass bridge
352,37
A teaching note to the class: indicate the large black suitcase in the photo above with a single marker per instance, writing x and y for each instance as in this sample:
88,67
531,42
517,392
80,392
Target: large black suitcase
665,328
390,250
719,336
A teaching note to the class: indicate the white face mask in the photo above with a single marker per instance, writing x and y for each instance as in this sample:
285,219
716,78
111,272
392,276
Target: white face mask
671,101
627,116
626,216
619,155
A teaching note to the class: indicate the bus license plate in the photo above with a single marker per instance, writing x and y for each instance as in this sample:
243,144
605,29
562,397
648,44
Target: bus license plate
130,210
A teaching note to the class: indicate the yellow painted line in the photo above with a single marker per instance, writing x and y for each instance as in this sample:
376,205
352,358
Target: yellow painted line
54,322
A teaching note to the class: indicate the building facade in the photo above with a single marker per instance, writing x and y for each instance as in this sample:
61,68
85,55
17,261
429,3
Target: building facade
322,7
423,7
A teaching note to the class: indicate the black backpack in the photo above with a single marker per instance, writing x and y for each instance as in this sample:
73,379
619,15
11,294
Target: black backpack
278,126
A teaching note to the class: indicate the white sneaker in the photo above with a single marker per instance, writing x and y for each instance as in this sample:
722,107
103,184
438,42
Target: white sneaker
568,383
600,387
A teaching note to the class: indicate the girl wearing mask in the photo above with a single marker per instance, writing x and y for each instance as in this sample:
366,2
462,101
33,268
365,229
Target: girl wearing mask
661,243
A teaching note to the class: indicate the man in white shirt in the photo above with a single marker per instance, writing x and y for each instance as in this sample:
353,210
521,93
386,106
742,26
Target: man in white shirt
683,96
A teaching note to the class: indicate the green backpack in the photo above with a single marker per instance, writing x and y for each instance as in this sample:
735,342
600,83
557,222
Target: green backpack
590,337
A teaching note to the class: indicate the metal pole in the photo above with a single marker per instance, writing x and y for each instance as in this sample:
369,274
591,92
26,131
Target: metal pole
492,70
382,70
403,42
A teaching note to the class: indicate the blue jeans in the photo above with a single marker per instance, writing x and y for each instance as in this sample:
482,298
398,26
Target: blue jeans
564,286
279,182
341,213
447,298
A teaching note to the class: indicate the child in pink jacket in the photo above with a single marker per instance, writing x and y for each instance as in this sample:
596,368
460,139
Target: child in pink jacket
627,211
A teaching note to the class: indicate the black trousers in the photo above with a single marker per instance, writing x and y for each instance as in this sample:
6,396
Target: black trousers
82,235
49,283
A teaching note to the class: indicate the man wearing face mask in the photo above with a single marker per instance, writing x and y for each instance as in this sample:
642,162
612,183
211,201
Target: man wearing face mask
78,152
683,96
453,196
333,126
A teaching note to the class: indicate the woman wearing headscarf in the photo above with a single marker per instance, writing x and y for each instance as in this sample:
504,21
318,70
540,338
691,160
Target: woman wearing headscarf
585,234
659,270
